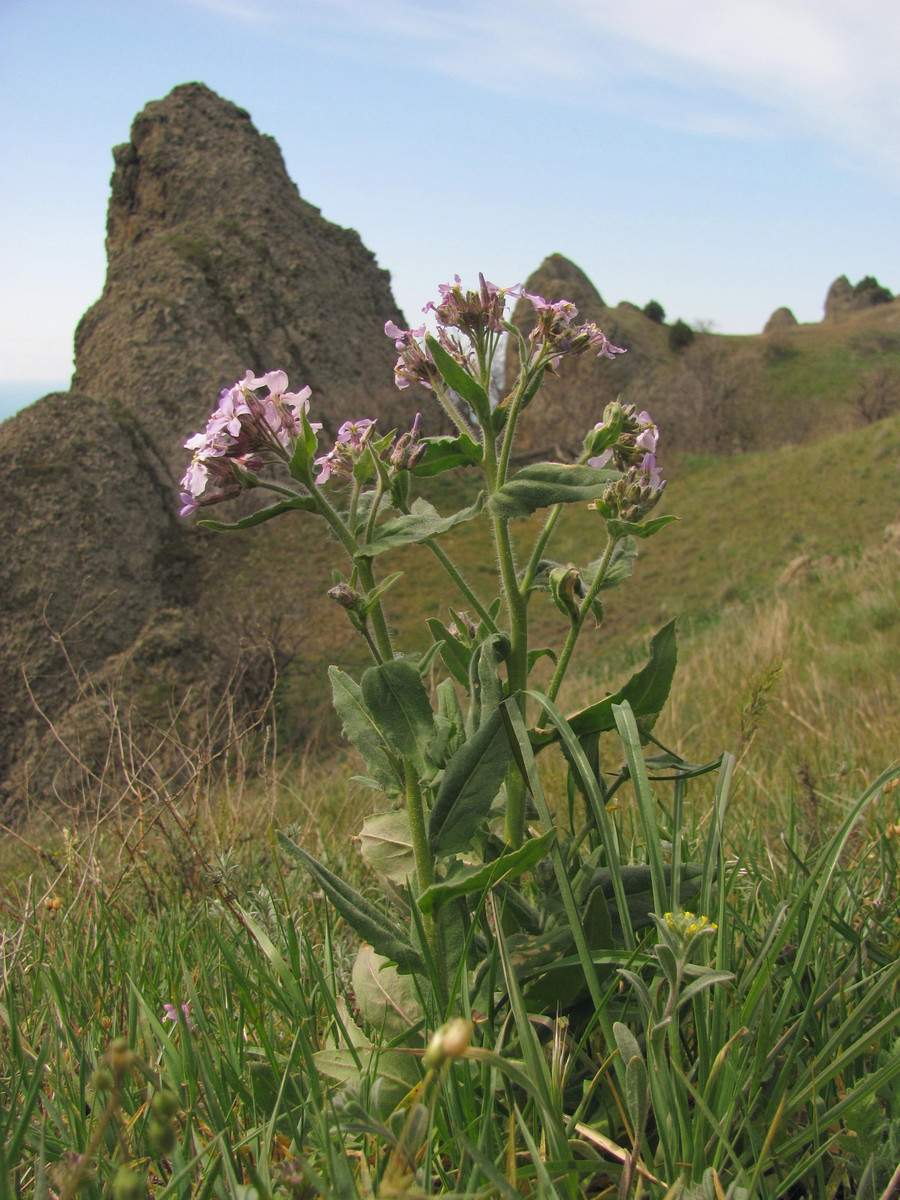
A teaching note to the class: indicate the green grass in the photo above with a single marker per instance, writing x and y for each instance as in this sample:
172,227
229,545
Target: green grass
780,1077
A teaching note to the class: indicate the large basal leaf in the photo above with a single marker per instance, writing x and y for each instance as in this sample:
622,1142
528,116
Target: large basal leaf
541,485
304,503
369,922
446,453
397,1070
395,695
385,842
360,728
646,691
388,1002
456,377
478,878
471,781
422,522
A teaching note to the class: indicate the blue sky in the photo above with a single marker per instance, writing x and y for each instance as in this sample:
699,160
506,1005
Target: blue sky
724,157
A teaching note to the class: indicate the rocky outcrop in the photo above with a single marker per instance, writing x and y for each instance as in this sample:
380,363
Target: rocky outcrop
215,266
781,318
843,298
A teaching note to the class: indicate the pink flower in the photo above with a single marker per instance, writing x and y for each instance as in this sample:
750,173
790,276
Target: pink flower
415,364
352,440
171,1013
247,430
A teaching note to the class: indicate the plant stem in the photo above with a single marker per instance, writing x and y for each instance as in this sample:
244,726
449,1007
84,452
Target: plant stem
562,666
415,809
379,622
538,552
453,571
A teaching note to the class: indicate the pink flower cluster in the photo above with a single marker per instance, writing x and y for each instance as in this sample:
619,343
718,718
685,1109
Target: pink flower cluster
475,313
415,364
556,334
247,431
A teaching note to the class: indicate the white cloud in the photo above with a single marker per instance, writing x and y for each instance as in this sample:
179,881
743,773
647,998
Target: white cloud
822,67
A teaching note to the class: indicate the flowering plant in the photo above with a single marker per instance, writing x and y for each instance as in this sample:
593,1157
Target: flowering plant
456,766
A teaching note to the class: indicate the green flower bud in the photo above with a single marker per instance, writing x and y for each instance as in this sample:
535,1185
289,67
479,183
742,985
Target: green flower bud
164,1105
161,1135
129,1185
452,1040
102,1079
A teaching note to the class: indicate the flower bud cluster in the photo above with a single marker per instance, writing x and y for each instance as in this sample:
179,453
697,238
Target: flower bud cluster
556,334
346,596
633,495
683,929
246,432
409,449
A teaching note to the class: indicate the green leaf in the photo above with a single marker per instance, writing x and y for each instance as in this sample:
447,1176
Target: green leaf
544,484
639,529
626,1042
446,453
301,466
303,503
708,979
471,780
394,694
667,761
620,567
364,733
646,691
481,877
455,654
485,685
534,655
566,589
637,1089
500,415
372,925
637,884
458,378
378,591
388,1002
385,842
449,707
420,524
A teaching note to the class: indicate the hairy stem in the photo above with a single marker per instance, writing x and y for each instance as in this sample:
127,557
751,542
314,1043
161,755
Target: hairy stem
415,808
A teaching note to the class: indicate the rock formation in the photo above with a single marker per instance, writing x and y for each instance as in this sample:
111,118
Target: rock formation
781,318
215,266
843,298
